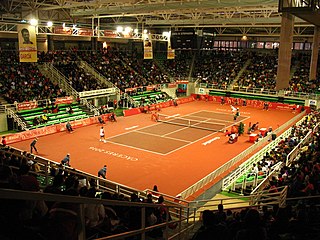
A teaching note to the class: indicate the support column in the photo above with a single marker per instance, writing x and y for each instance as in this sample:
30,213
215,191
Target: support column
285,51
314,55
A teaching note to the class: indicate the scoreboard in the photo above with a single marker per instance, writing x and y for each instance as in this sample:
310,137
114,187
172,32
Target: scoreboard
183,39
189,39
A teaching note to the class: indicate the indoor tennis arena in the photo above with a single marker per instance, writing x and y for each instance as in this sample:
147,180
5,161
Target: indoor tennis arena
177,119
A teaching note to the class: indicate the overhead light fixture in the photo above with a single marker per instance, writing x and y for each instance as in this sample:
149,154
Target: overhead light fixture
120,29
244,38
128,29
49,24
33,22
145,31
136,31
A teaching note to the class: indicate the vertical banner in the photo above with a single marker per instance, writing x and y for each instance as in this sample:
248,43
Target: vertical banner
170,51
147,47
27,43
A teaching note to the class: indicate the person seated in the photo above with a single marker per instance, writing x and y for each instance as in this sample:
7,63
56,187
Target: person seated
69,110
227,133
112,117
35,121
233,138
55,109
253,127
69,127
44,118
101,120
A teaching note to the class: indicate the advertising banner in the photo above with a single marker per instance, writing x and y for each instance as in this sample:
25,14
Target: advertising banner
73,31
251,103
64,100
27,43
27,105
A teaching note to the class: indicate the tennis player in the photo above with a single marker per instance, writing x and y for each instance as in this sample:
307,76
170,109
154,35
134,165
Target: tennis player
236,115
155,116
102,136
233,109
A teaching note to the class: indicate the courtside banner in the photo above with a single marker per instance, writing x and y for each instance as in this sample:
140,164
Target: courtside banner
27,43
251,103
27,105
64,100
147,47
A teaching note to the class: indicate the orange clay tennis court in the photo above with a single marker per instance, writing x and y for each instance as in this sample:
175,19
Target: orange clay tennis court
141,153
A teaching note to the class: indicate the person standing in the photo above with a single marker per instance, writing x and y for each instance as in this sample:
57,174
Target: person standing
236,115
33,145
103,172
69,127
4,141
102,136
66,160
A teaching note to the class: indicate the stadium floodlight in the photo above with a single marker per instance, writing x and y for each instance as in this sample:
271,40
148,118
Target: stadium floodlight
128,29
33,22
120,29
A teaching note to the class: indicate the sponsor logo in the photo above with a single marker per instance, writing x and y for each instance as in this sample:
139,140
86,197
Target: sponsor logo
119,155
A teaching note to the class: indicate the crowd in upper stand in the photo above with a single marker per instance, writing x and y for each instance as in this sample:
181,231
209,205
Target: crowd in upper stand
219,68
110,64
300,80
179,68
23,81
78,78
146,68
261,72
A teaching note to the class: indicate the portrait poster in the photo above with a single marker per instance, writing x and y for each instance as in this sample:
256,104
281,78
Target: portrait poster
170,52
147,47
27,43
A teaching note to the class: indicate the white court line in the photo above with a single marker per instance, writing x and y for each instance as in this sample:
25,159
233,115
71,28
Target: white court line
190,143
129,128
163,136
172,116
142,149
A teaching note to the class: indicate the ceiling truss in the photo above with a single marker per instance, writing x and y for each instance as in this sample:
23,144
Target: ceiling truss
219,16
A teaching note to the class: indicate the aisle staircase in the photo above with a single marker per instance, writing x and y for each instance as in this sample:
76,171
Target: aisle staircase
243,69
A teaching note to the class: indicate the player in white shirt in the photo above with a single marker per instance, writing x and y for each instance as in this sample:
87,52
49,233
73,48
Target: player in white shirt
102,136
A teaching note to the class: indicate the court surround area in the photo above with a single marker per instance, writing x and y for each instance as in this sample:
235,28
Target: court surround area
141,153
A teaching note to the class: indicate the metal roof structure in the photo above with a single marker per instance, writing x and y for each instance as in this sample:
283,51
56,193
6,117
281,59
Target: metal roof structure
223,17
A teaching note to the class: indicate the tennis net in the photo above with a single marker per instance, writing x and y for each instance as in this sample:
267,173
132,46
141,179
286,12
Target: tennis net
208,124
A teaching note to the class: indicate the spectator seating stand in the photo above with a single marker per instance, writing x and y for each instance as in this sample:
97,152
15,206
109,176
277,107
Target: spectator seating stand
147,96
53,118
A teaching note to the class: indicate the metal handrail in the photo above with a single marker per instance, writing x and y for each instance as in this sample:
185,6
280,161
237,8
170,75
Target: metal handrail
16,118
97,75
56,75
